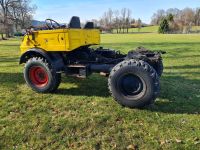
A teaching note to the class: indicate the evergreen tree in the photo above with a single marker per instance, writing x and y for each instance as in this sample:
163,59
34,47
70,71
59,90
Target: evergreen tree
170,18
164,26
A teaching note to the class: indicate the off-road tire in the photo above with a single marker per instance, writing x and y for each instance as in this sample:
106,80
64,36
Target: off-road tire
54,79
141,70
158,66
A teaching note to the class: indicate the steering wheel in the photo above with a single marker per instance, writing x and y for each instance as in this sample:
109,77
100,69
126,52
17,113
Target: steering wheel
52,24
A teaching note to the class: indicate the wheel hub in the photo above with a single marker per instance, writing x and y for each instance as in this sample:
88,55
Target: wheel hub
131,85
38,76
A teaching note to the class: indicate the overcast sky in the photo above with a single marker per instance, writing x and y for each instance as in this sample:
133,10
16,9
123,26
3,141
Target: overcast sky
62,10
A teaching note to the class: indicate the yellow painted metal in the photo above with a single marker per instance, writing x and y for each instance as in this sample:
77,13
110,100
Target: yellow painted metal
63,40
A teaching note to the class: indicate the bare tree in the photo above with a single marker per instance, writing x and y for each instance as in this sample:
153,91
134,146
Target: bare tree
128,19
2,30
110,19
158,16
15,12
186,19
117,20
22,12
107,20
4,8
197,17
96,23
139,24
104,22
187,15
173,11
121,21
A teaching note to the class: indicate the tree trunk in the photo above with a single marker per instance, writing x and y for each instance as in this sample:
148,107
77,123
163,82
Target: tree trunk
16,26
6,28
2,36
7,34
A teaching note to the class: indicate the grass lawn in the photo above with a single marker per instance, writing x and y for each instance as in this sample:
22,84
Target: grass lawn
83,115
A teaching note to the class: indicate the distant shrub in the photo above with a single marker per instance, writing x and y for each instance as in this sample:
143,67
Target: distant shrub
164,26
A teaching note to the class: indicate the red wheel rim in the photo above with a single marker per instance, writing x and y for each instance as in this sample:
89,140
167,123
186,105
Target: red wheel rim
38,76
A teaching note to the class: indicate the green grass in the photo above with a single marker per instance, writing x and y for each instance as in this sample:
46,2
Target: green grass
83,115
150,29
196,28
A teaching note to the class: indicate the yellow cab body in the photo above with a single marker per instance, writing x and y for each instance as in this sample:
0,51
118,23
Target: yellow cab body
62,40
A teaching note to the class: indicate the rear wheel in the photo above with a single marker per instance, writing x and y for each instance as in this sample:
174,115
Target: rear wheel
40,76
158,66
134,83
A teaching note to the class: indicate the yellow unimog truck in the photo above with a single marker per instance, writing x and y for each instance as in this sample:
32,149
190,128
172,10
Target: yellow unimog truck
49,51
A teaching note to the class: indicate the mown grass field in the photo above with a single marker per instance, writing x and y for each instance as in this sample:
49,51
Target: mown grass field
83,115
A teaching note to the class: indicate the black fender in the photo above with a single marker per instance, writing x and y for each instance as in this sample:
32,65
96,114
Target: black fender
55,59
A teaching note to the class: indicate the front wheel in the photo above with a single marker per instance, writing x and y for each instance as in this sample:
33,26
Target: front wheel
39,75
134,84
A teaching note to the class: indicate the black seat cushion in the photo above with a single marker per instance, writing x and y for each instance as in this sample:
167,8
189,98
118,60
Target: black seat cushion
75,23
89,25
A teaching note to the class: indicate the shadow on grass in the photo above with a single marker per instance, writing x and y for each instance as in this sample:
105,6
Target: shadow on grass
95,85
11,78
92,86
178,94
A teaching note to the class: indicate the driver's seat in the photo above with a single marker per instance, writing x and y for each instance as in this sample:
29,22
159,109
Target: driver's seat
75,23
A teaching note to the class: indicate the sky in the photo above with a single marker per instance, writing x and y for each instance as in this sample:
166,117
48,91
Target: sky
63,10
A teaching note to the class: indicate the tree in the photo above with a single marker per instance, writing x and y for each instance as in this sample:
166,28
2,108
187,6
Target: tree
172,25
170,18
16,13
164,26
125,19
179,20
197,17
110,19
116,20
121,21
96,23
173,11
158,16
139,24
106,21
187,19
4,7
187,16
128,19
